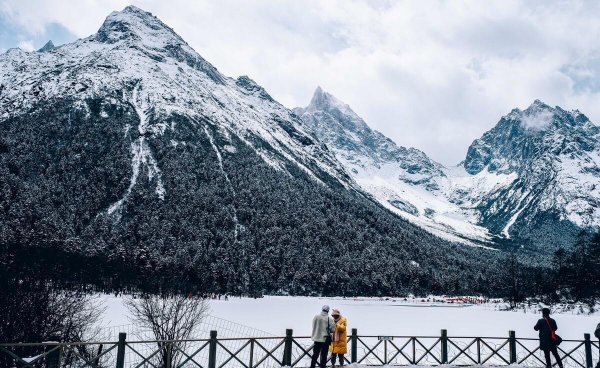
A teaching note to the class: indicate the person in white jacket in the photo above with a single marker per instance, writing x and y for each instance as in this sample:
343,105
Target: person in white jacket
322,326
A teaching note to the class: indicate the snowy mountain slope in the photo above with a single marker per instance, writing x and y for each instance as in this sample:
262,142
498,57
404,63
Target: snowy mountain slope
137,58
538,166
126,158
554,156
404,180
536,171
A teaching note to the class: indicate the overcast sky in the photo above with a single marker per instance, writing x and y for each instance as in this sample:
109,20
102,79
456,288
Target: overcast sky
429,74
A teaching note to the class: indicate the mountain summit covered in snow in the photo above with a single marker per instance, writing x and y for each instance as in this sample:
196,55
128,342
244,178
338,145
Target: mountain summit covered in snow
554,157
404,180
132,154
534,176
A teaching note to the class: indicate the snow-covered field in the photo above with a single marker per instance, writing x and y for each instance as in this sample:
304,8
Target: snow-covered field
374,316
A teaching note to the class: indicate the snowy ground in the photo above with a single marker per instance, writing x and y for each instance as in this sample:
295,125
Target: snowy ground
372,316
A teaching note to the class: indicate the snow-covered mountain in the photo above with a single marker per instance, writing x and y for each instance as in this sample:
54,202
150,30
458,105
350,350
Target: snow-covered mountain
553,156
404,180
535,172
126,154
137,59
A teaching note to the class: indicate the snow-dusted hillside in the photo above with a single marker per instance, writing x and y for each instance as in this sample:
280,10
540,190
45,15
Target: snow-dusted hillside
554,156
539,162
126,155
136,58
404,180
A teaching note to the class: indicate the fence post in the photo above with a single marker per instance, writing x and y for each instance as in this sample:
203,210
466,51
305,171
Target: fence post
444,343
251,362
385,352
354,346
287,348
54,359
168,355
121,350
589,363
212,350
512,346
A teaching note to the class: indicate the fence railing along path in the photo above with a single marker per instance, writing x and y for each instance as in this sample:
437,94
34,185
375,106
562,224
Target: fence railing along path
226,328
294,351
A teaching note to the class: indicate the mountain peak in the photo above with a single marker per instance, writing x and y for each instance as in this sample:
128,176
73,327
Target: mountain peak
538,116
537,106
325,101
319,98
133,23
538,102
523,136
134,9
318,94
141,30
47,47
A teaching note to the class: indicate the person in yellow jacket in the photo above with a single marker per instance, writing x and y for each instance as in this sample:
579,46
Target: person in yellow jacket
339,342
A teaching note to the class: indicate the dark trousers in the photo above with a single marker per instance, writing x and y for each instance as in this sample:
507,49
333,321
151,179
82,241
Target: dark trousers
554,351
341,357
319,350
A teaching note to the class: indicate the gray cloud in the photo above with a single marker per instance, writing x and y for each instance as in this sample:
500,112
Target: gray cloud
430,74
26,37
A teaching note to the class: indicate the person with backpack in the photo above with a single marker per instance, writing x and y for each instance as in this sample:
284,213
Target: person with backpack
322,326
549,340
339,345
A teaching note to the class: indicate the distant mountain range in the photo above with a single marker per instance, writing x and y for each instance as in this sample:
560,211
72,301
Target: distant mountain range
534,178
127,156
130,152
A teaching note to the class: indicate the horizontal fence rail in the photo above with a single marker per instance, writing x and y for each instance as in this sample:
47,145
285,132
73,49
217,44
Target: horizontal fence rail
294,351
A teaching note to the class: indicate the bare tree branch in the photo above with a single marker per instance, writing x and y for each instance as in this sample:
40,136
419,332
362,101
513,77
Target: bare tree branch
169,318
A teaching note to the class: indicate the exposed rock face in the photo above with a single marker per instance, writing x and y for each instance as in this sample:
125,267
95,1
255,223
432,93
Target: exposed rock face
555,157
536,171
47,47
404,180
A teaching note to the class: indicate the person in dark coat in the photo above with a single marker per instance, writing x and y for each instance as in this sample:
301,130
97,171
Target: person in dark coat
597,334
546,327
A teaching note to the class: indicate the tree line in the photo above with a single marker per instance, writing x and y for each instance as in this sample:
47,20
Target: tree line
62,167
570,275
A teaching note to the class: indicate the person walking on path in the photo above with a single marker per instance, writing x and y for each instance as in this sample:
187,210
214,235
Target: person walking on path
549,340
339,343
322,325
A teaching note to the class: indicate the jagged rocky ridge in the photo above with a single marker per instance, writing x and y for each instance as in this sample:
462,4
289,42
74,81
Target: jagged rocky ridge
531,178
554,157
129,149
47,47
404,180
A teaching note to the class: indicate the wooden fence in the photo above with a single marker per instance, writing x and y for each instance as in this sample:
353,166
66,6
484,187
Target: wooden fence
293,351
